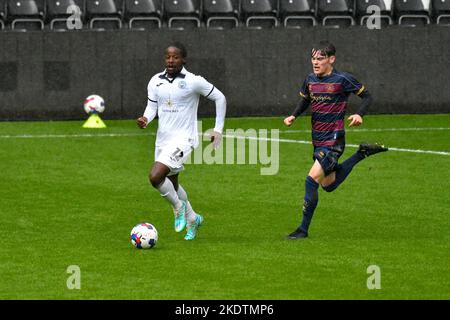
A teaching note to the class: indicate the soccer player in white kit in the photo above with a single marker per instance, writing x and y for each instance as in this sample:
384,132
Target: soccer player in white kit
174,95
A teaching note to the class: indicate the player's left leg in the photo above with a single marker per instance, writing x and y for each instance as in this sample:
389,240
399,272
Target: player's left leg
344,169
194,220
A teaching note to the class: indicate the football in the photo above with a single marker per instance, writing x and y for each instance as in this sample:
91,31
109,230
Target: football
94,104
144,236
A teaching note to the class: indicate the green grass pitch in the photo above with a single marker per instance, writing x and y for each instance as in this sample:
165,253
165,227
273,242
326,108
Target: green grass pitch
70,196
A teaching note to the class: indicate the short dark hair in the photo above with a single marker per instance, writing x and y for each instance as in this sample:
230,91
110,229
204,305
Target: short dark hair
326,48
180,47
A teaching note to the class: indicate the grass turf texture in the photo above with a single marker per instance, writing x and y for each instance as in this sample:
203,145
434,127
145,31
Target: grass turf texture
72,200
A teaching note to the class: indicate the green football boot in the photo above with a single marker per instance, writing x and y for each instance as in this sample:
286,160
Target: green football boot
193,228
180,217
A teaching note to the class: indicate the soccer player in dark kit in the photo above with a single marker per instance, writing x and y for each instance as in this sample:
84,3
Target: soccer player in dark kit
326,90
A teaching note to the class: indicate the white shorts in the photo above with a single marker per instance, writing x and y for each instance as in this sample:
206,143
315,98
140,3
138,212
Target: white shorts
173,156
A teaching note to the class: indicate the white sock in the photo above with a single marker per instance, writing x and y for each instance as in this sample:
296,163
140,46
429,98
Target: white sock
190,213
167,191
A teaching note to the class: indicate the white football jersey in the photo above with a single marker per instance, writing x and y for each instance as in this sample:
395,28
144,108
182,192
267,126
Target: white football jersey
176,102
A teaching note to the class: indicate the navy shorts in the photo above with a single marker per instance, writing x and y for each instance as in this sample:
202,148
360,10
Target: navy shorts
328,157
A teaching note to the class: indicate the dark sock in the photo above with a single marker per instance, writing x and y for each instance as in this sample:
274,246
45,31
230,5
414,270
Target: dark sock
343,170
310,204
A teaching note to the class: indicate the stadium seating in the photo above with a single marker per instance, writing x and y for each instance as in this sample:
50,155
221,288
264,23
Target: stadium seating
441,11
143,14
362,14
297,13
336,13
412,12
57,12
221,14
104,14
2,13
182,14
259,13
26,14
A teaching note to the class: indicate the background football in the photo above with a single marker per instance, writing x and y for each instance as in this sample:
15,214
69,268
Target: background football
94,104
144,236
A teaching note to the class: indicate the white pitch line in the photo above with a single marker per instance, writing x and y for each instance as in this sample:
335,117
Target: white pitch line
87,135
442,153
376,130
84,135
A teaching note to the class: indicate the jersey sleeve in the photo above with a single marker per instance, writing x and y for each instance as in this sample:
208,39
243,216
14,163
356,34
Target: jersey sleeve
351,85
151,94
304,90
206,89
152,101
202,86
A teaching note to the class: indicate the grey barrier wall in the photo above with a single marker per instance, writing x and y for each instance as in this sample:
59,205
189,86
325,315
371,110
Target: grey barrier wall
47,75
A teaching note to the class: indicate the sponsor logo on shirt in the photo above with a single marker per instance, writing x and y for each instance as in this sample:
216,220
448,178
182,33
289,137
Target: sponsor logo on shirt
169,103
320,98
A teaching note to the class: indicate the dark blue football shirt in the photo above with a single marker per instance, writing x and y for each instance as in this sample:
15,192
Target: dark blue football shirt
328,98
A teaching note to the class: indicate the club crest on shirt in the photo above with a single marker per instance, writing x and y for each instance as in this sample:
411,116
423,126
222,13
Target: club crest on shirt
182,84
329,88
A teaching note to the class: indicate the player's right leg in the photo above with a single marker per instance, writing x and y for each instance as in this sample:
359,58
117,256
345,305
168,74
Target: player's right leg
158,179
311,199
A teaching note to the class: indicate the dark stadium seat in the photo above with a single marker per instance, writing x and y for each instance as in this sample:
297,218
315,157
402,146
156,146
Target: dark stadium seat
2,13
143,14
297,13
336,13
441,11
259,13
182,14
104,14
412,12
221,14
58,11
362,14
26,14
